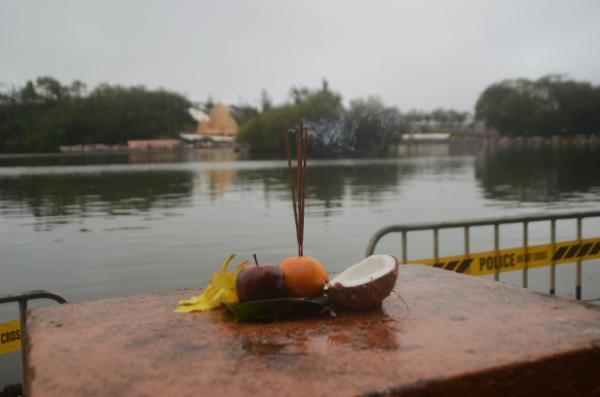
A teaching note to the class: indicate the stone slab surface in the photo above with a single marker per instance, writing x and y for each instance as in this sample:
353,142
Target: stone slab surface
456,335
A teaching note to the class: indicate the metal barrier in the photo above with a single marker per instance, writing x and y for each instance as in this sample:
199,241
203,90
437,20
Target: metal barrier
22,299
495,222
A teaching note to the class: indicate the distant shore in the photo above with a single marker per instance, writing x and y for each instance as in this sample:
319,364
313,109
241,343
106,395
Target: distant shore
122,148
487,140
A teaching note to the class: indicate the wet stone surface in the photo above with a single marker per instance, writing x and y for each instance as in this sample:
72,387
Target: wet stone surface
447,335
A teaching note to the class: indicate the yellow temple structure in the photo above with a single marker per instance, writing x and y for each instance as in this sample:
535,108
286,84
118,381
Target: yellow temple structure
219,123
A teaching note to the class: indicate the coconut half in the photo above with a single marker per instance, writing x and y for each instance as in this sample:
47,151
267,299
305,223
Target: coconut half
365,285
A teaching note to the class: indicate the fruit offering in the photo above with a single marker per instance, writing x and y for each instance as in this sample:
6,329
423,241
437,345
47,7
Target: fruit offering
300,284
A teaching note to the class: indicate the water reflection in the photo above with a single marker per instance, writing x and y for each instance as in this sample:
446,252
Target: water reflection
329,185
133,157
75,195
538,174
72,195
65,193
184,155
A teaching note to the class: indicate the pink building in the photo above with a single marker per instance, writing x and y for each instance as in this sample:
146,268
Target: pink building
152,144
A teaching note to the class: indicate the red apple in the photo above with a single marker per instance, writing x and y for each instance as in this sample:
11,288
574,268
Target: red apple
260,282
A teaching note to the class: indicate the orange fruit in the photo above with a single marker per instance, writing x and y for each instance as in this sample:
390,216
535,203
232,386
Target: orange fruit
304,276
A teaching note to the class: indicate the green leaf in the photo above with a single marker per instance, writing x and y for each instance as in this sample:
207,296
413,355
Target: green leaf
275,309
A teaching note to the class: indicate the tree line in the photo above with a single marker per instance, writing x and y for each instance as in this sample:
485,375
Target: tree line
549,106
44,114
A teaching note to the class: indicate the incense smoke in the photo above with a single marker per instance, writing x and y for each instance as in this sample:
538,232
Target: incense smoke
367,128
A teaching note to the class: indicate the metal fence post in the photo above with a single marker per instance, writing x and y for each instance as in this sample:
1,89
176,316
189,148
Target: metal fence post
467,241
526,252
404,247
496,247
553,265
578,286
436,253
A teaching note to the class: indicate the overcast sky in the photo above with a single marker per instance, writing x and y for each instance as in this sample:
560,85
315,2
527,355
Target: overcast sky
412,54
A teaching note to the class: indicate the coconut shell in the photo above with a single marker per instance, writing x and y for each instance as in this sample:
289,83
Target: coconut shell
365,296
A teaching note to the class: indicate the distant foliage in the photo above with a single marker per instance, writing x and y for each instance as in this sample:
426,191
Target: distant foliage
263,133
438,120
44,114
243,112
548,106
367,128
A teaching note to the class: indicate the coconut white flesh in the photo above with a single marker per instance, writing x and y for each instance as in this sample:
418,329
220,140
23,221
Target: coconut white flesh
365,271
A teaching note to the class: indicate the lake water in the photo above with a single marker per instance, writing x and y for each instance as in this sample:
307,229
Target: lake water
104,225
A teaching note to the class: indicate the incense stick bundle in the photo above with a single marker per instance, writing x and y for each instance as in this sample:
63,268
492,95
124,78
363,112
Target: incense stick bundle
298,183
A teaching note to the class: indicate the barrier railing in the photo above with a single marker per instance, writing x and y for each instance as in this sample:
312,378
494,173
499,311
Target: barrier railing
565,251
22,299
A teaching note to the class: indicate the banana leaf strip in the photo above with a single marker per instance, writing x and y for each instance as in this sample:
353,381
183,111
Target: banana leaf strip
276,309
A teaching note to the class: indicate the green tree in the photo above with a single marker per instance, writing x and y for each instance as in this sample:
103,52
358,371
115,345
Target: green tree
49,88
548,106
44,114
366,128
243,112
265,101
263,133
77,89
378,129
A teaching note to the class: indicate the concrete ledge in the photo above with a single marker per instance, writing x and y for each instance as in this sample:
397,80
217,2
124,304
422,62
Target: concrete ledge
461,336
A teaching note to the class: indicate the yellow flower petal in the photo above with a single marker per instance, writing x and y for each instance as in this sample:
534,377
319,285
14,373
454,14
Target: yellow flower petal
220,290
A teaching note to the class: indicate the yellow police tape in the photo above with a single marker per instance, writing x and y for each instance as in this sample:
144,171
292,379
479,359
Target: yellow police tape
511,259
10,336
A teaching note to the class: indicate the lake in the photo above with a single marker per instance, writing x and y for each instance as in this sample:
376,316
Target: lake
104,225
